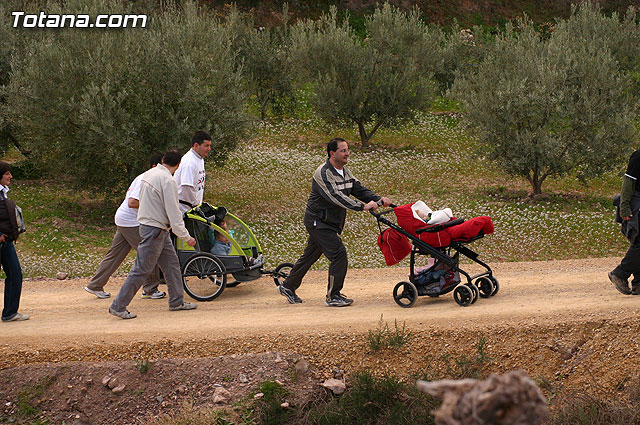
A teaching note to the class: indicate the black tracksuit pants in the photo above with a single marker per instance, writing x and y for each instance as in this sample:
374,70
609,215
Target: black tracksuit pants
630,264
321,241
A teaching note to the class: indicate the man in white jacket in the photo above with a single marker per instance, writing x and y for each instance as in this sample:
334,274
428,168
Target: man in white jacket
190,175
158,211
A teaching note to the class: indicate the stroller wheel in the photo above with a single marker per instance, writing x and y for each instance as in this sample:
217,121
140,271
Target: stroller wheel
463,295
405,294
485,285
281,273
496,285
475,290
203,277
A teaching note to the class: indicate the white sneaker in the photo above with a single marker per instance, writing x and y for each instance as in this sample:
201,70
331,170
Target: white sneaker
99,294
122,314
156,295
18,317
184,306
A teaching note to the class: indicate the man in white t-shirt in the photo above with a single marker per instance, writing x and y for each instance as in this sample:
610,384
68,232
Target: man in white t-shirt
191,175
127,237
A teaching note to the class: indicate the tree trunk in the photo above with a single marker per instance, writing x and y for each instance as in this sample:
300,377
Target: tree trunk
364,138
535,181
17,144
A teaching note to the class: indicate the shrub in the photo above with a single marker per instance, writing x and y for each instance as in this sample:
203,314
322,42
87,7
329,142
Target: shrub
384,337
373,82
550,107
99,102
375,401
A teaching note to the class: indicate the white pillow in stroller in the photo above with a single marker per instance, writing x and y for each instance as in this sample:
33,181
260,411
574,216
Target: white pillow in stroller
441,216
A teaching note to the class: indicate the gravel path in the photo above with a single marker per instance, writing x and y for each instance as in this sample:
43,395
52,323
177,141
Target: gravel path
554,319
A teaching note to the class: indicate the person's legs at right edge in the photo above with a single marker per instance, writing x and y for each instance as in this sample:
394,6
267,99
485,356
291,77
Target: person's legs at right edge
12,284
629,265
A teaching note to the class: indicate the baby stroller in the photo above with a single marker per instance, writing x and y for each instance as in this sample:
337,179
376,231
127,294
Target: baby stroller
204,275
443,243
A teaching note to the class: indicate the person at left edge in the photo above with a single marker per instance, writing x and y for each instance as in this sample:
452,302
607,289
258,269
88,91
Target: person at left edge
8,254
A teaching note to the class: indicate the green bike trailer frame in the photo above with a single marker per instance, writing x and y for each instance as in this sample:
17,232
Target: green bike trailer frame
204,274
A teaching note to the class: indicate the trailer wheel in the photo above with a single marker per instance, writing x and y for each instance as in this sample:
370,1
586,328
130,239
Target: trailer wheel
281,272
203,277
405,294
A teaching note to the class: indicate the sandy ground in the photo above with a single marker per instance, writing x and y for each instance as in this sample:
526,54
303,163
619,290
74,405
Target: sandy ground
63,315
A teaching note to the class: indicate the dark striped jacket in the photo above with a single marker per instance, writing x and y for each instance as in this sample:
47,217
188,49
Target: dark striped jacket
330,197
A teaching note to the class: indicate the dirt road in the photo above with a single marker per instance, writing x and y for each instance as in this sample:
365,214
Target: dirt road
561,321
559,318
537,292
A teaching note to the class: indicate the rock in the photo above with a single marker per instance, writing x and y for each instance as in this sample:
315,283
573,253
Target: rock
62,275
159,399
258,396
113,382
118,389
106,379
302,367
336,386
285,405
221,396
243,378
512,398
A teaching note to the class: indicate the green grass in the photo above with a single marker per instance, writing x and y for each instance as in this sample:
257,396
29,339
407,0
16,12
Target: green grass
383,337
267,179
372,400
27,406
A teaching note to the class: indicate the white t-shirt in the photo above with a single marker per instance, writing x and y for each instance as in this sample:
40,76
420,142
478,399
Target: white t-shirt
125,216
190,173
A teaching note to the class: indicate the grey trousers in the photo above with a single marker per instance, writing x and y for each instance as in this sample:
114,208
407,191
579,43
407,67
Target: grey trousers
155,248
125,239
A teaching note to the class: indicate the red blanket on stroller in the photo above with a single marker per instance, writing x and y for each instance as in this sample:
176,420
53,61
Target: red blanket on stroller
396,246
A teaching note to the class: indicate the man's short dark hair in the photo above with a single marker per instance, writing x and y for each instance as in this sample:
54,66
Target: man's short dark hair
332,146
172,157
200,137
155,159
4,167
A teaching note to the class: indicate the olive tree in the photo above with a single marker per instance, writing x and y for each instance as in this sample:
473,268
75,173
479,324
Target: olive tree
96,103
373,82
549,107
262,56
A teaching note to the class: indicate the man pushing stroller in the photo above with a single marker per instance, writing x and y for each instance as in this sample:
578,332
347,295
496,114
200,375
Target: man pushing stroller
324,219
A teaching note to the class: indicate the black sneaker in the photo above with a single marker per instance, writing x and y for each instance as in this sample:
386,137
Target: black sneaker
621,284
337,301
289,294
341,295
635,288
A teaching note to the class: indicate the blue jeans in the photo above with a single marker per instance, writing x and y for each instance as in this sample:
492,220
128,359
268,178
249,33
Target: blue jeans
13,282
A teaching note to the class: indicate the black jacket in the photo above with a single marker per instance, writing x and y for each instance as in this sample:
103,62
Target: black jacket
8,221
330,198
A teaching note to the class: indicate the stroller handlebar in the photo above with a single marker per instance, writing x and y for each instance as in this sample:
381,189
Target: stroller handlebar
377,215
